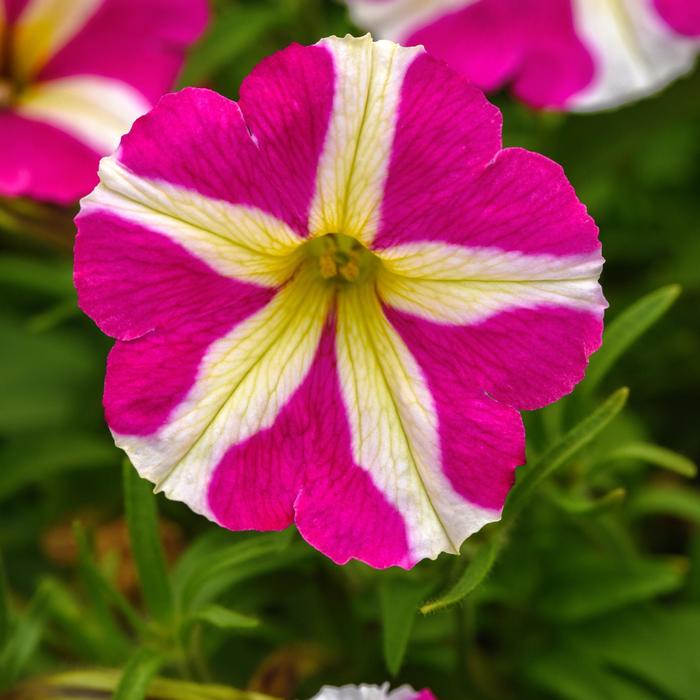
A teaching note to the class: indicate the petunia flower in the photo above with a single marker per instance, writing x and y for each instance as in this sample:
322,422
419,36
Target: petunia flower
372,692
331,298
564,54
74,75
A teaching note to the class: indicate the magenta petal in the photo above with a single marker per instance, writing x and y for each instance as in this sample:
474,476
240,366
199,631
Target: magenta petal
199,140
522,201
526,358
286,102
139,42
43,162
683,16
302,468
446,133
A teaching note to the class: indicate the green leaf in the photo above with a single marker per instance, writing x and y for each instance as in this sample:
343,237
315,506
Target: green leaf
50,278
144,535
25,638
4,606
216,563
235,30
586,506
581,586
473,575
114,644
655,455
399,599
624,330
137,676
223,618
654,644
532,475
677,502
28,461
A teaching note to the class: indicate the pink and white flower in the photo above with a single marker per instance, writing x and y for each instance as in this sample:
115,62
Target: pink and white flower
331,298
563,54
372,692
74,75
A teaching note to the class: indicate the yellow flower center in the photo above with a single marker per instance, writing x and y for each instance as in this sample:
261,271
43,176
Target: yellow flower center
341,258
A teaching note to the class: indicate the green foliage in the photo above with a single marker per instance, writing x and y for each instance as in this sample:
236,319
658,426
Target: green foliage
145,544
399,598
589,587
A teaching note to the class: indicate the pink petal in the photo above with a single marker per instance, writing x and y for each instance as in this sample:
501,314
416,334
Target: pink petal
43,162
199,140
683,16
526,358
140,42
481,440
446,133
287,102
302,468
522,201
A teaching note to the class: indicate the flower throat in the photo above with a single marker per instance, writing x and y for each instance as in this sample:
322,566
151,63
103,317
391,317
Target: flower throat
342,258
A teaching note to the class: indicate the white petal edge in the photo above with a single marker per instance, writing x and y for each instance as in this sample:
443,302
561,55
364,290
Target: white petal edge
636,53
461,285
243,382
95,110
394,428
237,241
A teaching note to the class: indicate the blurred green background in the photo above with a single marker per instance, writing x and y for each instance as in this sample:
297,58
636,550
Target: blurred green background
591,593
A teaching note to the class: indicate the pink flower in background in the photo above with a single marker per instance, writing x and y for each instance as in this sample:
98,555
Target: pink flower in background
372,692
74,74
563,54
331,298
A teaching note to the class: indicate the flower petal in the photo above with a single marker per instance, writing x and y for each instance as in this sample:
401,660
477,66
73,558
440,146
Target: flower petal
440,452
352,170
43,27
302,469
459,285
242,383
138,42
96,111
683,16
237,241
521,202
635,52
41,161
372,692
199,141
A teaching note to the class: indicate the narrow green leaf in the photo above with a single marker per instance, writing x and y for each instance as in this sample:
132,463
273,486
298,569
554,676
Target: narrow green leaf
677,502
656,455
236,29
113,641
475,572
534,474
216,563
25,638
399,599
585,588
223,618
146,548
137,676
4,606
587,506
624,330
28,461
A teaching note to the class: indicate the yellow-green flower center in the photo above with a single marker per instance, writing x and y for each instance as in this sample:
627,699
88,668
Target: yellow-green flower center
341,258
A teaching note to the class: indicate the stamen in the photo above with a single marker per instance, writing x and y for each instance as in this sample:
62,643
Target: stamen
342,258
